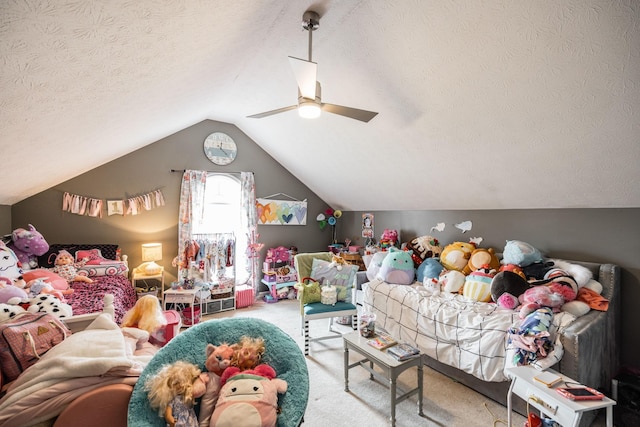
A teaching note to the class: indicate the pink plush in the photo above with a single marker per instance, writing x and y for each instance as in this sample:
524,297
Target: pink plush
49,276
217,361
540,296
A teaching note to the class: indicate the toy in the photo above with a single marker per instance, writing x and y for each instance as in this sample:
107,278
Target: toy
388,238
28,245
48,276
45,303
397,267
36,287
423,247
477,285
10,293
173,390
520,253
506,288
248,398
429,268
480,257
147,315
247,353
338,262
553,293
455,256
9,263
66,267
9,311
217,361
451,281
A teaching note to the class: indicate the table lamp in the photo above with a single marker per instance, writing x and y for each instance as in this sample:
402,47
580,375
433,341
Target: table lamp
151,252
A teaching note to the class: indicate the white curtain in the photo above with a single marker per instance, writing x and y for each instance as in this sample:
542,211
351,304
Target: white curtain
192,193
249,221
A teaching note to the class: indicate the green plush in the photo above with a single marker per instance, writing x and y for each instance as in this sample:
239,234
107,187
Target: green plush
309,291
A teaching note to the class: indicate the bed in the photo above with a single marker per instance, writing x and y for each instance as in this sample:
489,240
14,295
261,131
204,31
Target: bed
108,270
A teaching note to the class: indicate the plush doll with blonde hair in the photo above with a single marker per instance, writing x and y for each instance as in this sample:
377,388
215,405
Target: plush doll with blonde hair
247,352
147,315
173,390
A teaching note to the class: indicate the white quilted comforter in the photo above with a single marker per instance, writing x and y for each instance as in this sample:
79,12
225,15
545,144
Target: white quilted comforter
468,335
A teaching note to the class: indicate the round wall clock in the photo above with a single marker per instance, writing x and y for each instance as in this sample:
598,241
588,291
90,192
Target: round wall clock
220,148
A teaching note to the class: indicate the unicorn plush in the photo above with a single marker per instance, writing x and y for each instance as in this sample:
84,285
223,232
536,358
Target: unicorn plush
28,245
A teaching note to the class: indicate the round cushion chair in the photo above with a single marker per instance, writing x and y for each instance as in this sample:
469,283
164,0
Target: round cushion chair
281,352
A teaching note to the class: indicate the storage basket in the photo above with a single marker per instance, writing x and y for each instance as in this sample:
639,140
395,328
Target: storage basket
186,316
244,296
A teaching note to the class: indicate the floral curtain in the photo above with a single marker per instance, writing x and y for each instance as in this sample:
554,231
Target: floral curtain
191,211
249,221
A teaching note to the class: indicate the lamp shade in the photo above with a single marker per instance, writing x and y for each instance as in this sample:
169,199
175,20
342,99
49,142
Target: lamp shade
151,251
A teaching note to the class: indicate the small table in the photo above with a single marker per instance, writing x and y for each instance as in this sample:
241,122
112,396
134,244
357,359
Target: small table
565,411
138,276
183,296
391,369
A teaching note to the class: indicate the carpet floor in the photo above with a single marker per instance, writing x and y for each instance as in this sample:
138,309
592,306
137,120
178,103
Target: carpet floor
445,402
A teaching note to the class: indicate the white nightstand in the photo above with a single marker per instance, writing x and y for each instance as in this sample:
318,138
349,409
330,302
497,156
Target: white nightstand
140,280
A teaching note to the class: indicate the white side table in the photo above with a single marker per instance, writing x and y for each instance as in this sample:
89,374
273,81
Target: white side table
548,401
183,296
137,276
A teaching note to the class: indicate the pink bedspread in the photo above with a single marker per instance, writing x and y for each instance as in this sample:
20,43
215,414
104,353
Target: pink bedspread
89,297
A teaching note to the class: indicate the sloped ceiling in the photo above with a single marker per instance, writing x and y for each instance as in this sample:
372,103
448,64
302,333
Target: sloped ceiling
482,104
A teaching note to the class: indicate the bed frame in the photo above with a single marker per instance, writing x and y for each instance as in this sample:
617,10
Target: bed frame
81,321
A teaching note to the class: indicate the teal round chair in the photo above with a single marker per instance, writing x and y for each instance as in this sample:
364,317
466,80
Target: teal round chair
281,352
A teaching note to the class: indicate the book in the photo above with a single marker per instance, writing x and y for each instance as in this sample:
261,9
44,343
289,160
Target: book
403,351
382,340
548,378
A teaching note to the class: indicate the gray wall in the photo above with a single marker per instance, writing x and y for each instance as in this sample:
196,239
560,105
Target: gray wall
595,235
599,235
148,169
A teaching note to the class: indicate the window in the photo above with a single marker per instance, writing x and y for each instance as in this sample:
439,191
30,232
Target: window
222,215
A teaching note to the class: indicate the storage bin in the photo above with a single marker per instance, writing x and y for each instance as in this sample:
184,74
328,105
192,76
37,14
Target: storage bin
244,296
186,316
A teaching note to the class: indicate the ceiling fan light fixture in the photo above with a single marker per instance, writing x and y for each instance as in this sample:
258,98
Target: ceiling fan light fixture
309,109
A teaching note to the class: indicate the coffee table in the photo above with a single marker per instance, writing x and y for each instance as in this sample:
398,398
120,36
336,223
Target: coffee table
390,367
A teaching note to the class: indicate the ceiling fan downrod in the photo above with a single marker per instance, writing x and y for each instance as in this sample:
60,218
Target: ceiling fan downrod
310,22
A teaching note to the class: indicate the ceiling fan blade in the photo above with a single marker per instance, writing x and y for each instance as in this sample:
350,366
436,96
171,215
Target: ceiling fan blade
305,72
272,112
352,113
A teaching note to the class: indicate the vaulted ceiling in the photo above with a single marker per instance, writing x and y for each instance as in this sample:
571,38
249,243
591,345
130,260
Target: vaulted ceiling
490,104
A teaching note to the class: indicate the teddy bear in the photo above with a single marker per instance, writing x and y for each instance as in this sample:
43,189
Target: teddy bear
65,266
455,256
480,257
248,398
217,361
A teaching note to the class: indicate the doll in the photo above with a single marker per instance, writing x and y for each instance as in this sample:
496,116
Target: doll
247,353
66,268
173,390
36,287
147,315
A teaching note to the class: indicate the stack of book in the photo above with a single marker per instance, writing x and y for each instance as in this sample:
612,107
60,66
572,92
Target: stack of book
403,351
382,340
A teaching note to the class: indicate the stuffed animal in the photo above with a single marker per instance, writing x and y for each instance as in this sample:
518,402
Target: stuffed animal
36,287
9,263
388,238
477,285
480,257
28,245
423,247
11,293
338,262
172,392
553,292
9,311
520,253
451,281
374,265
65,266
430,268
217,361
397,268
45,303
247,353
248,398
48,276
506,288
455,256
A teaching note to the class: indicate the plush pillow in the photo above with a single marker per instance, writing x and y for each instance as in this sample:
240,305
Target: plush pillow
105,268
341,276
50,277
397,268
309,291
375,264
94,256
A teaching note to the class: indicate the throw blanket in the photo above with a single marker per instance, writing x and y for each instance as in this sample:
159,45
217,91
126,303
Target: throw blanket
97,356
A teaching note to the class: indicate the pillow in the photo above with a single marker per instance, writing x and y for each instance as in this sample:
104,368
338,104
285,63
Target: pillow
309,291
50,277
94,256
343,278
105,268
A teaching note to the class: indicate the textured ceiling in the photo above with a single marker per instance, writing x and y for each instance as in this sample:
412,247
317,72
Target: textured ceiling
483,104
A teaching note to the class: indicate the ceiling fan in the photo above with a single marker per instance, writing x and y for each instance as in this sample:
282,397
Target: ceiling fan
309,97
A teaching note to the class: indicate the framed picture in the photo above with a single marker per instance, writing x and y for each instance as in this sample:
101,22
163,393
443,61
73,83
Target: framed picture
115,207
367,225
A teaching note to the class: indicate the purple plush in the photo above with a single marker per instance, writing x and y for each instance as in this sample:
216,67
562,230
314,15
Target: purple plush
28,245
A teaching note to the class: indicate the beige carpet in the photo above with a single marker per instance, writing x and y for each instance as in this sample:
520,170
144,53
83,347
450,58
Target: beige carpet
445,402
